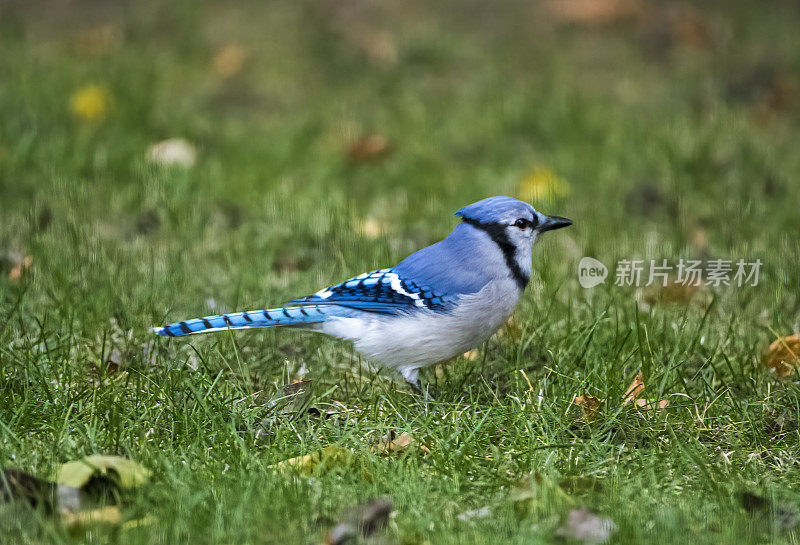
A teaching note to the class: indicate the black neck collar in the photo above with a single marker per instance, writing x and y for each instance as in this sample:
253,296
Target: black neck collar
497,232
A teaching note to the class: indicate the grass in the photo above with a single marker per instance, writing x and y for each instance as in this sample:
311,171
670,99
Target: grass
672,147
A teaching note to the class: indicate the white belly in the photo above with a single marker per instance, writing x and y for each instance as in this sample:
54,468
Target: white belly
408,342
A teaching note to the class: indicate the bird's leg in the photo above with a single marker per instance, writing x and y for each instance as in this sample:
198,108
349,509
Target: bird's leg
412,378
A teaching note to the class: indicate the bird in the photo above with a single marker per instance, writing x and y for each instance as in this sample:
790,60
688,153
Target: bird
440,301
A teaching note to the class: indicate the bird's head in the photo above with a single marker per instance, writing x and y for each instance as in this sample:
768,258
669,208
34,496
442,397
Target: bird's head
520,222
513,226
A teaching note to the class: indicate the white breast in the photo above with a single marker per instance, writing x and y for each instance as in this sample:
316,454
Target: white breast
408,342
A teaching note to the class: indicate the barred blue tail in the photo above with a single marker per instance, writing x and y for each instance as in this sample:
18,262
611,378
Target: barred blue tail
287,316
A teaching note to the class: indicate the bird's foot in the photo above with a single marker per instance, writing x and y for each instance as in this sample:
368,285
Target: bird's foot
412,378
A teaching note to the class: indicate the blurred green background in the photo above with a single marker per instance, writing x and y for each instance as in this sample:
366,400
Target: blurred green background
165,160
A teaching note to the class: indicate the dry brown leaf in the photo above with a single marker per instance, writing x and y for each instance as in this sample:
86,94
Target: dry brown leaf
393,443
635,390
472,355
652,403
368,148
783,354
595,13
229,60
591,405
22,265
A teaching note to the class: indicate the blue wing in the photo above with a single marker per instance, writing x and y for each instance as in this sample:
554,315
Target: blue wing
382,291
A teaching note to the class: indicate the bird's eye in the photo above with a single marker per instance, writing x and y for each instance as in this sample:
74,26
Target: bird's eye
522,223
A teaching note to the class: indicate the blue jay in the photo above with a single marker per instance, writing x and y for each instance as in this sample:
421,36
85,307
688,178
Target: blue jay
439,302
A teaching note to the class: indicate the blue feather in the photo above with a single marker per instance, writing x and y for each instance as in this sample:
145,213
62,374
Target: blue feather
383,291
275,317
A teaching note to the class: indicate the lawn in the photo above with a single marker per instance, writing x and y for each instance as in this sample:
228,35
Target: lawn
320,140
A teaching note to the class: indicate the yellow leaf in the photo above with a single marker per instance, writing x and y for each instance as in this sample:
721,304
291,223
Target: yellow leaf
542,185
330,458
126,473
91,103
110,514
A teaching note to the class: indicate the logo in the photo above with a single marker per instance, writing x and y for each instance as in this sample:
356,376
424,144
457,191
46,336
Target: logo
591,272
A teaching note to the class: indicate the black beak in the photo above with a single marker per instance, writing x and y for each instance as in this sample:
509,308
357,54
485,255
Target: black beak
553,222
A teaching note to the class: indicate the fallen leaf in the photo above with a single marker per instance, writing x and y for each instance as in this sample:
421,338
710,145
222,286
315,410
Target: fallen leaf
473,354
108,514
635,390
330,458
368,148
542,185
393,443
229,60
591,405
595,13
115,470
91,103
361,522
21,266
782,355
175,151
584,526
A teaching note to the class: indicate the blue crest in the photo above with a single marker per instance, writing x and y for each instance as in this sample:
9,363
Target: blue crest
497,209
